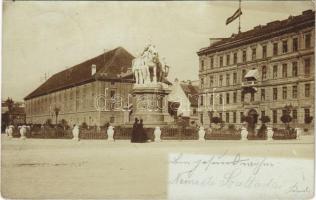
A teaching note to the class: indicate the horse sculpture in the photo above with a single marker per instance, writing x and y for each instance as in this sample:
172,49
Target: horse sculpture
148,68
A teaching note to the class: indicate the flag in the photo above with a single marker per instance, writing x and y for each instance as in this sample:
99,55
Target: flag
235,16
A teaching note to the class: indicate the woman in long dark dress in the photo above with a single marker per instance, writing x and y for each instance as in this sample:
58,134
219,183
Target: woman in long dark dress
134,134
142,132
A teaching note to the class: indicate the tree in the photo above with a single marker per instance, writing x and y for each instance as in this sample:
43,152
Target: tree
84,125
64,124
286,117
216,120
10,103
56,112
308,119
48,122
265,119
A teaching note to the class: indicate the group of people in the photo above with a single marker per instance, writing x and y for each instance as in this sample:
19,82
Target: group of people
138,132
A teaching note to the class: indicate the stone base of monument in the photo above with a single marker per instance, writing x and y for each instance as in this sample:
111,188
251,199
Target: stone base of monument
150,104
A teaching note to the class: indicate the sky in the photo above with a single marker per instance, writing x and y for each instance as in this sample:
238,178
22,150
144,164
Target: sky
47,37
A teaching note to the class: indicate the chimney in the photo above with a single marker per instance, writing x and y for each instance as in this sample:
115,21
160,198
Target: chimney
93,69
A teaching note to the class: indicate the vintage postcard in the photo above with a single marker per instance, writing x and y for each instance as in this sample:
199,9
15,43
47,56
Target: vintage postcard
158,100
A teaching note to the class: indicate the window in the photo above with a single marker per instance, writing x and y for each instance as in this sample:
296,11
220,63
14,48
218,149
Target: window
212,62
307,90
112,83
235,97
234,117
294,91
244,56
220,80
284,70
275,71
307,40
201,118
294,69
201,100
221,116
275,49
235,58
227,59
220,99
194,111
263,113
221,61
275,93
263,94
234,78
227,79
306,113
241,116
202,82
294,114
112,119
243,74
227,98
307,66
252,96
295,44
202,65
254,53
211,100
227,117
211,81
284,92
275,116
112,93
264,72
264,51
284,46
242,97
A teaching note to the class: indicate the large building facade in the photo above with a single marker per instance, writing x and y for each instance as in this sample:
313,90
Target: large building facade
96,92
276,60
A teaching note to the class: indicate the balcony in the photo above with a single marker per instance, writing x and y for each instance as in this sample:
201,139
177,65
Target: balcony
249,83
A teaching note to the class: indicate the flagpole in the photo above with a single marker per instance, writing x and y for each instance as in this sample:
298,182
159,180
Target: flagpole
239,16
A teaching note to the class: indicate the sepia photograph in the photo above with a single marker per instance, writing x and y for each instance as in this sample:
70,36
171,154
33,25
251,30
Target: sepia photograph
179,100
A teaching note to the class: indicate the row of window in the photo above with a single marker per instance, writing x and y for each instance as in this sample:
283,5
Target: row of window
275,96
40,105
275,69
275,51
241,114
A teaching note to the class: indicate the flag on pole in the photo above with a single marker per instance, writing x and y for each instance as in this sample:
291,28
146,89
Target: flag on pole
235,16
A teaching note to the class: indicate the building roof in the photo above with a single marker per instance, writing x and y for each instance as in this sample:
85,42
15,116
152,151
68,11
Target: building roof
192,92
271,29
109,65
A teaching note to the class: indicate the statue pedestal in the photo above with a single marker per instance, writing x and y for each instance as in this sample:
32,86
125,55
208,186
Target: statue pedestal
150,104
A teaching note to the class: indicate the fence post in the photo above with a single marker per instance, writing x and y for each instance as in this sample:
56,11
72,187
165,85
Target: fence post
270,133
201,134
75,133
244,133
298,133
110,133
157,133
23,132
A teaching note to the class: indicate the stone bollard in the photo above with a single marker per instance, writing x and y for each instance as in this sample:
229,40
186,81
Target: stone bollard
10,131
201,134
75,133
270,133
23,132
298,133
157,133
110,133
244,133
